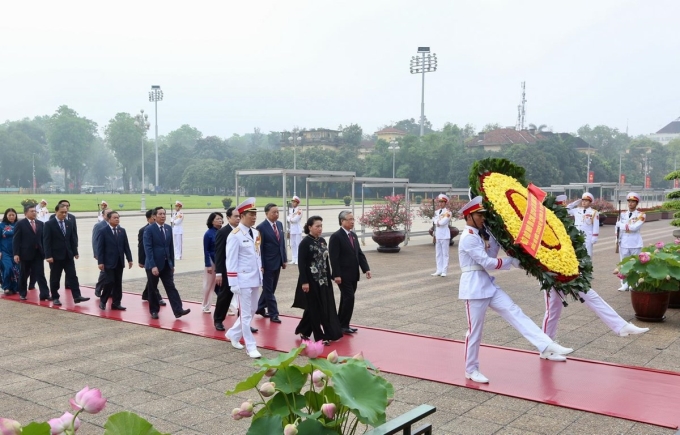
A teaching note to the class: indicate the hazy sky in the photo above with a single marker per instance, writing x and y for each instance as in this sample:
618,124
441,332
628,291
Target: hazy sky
226,67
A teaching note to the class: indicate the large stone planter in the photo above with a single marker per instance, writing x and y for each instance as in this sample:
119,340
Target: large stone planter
608,218
667,214
652,216
453,230
388,241
650,307
674,300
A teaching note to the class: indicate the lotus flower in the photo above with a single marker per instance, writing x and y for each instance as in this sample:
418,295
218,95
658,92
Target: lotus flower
359,356
271,372
268,389
246,409
333,357
88,400
616,271
677,241
290,429
313,348
318,377
236,414
644,257
59,425
660,245
641,280
621,276
9,427
328,410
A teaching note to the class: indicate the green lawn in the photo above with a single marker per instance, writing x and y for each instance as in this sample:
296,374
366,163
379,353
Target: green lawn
132,201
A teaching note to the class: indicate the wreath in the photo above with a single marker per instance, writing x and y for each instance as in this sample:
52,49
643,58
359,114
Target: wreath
561,260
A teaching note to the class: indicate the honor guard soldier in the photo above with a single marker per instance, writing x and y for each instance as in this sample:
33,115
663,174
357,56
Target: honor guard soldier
442,235
477,252
561,200
42,212
586,219
102,208
244,271
628,231
177,232
294,228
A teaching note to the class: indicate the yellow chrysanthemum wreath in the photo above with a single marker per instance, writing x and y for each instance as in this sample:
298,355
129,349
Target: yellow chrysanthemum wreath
509,198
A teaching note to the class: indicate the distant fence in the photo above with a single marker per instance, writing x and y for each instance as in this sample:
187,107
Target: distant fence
9,190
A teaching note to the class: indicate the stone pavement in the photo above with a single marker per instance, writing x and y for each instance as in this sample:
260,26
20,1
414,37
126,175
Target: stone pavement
177,381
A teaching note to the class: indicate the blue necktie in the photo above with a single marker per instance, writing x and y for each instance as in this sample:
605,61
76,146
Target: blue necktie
63,228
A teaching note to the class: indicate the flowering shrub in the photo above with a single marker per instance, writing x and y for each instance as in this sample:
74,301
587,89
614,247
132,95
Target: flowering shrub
426,209
603,206
90,401
321,396
29,202
390,215
655,269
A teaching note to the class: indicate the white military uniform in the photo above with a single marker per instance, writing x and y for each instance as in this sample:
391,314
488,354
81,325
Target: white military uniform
100,213
442,235
295,231
629,225
177,232
586,220
244,271
42,213
480,292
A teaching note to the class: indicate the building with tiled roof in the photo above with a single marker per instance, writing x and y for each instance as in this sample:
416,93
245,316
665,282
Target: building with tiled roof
668,133
494,140
390,133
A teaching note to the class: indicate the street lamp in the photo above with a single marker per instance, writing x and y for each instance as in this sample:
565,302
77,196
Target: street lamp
34,185
156,95
394,148
142,122
295,139
421,65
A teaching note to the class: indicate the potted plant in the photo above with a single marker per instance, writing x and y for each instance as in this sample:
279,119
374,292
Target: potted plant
347,200
226,202
651,275
329,395
29,202
426,211
385,219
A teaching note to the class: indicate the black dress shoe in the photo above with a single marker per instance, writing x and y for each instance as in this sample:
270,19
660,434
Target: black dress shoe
262,313
182,313
80,299
102,305
154,316
253,330
348,330
354,329
23,298
56,302
46,299
162,303
219,326
118,307
98,293
275,319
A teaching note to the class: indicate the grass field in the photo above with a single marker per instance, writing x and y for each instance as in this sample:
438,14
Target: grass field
132,201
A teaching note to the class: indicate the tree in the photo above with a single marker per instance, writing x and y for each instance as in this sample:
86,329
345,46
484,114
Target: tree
412,127
71,137
101,163
19,152
185,136
211,147
352,135
491,127
205,175
125,140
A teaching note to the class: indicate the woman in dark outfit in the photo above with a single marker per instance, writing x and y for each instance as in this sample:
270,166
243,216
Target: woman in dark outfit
314,292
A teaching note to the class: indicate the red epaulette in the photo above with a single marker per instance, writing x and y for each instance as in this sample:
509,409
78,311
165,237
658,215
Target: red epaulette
471,232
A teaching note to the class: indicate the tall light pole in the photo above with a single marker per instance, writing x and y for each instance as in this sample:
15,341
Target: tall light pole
421,65
295,139
34,184
142,122
394,148
156,95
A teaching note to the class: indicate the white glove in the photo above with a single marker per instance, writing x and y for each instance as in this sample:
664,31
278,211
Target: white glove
236,290
514,262
593,240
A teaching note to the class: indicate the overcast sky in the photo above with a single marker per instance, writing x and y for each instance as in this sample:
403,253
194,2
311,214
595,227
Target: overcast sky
226,67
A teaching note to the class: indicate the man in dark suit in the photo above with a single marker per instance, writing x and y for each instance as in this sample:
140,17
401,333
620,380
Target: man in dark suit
160,264
74,225
141,256
96,231
61,248
112,249
27,247
274,258
346,258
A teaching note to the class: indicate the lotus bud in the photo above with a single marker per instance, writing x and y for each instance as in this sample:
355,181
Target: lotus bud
660,245
328,410
271,372
290,429
641,280
268,389
318,377
89,400
616,271
333,357
246,409
9,427
313,348
236,414
621,276
668,277
63,423
359,356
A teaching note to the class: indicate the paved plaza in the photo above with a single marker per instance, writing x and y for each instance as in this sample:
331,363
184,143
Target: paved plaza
177,381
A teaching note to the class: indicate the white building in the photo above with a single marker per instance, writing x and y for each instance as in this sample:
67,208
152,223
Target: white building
668,133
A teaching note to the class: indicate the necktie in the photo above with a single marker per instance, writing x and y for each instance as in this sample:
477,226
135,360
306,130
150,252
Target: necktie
115,231
351,239
162,231
63,228
630,214
33,226
276,231
250,233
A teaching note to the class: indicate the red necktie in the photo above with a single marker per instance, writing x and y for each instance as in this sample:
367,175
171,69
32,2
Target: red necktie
276,231
33,226
351,239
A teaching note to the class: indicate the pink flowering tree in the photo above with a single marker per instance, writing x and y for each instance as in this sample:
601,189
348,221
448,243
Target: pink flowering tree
388,216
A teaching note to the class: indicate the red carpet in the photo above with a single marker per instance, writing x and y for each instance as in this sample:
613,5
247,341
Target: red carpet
633,393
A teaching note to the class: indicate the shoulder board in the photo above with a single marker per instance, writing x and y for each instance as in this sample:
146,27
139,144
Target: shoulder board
236,230
471,232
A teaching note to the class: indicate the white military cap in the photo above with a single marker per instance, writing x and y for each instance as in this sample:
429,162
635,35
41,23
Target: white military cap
247,205
634,196
296,198
561,199
442,197
588,195
473,206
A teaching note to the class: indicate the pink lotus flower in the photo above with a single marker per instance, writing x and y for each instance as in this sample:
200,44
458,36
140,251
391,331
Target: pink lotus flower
59,425
246,409
328,410
313,348
268,389
9,427
644,257
88,400
333,357
677,241
621,276
236,414
318,377
290,429
660,245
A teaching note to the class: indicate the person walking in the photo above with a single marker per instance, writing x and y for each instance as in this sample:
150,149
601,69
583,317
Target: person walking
294,228
96,231
214,224
10,269
274,258
27,247
226,303
141,257
112,250
346,259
